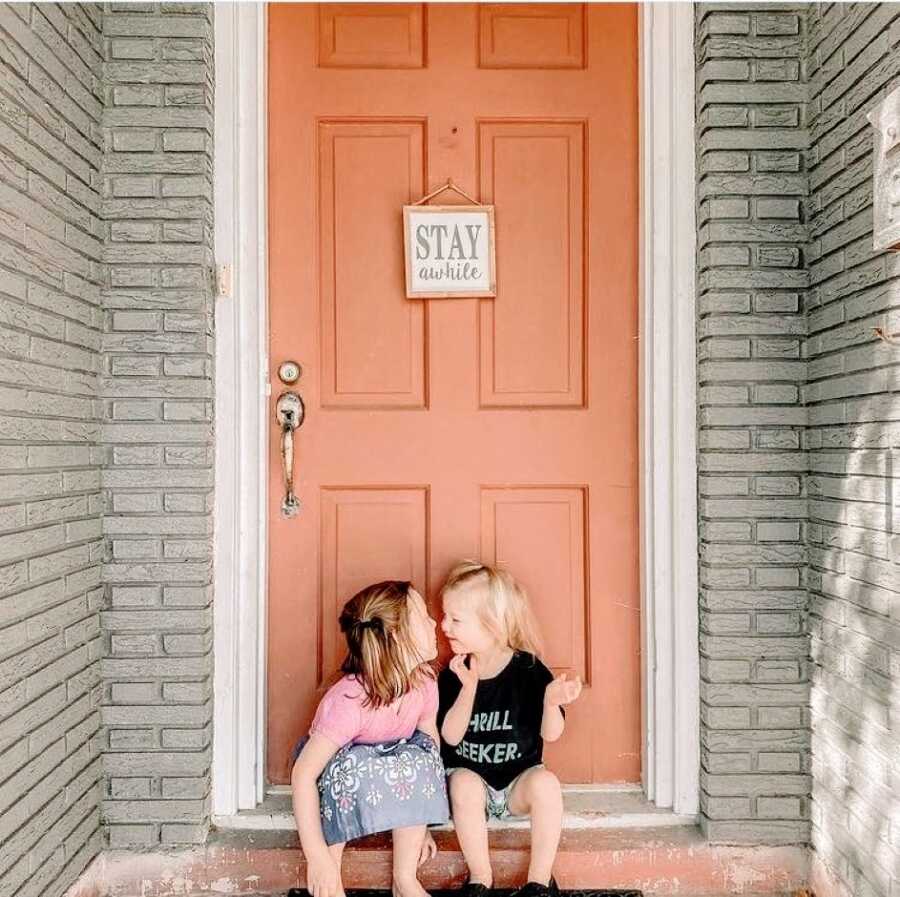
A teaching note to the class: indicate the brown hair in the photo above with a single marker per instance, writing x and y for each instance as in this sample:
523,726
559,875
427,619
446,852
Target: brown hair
503,605
380,650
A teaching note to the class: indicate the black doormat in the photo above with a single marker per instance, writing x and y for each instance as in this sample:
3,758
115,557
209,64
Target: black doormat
495,892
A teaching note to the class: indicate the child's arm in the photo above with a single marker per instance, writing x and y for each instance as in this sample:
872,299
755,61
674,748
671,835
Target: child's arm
456,720
428,720
552,723
560,691
431,730
323,877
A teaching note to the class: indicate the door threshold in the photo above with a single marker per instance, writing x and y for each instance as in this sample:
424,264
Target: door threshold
584,807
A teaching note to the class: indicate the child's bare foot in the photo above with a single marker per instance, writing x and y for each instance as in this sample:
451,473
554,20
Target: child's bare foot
408,887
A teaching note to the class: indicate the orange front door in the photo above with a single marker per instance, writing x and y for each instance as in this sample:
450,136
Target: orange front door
503,429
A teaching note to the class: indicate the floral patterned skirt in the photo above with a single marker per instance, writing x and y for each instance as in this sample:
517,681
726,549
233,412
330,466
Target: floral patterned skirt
368,788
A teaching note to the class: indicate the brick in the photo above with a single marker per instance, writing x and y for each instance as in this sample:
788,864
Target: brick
779,807
760,832
728,807
776,69
728,717
778,762
726,763
780,717
138,95
133,835
778,532
777,24
185,141
132,739
183,834
195,787
134,692
135,141
727,23
194,739
152,810
126,789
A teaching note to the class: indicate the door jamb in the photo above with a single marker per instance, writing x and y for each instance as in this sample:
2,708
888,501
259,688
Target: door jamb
670,667
241,422
668,459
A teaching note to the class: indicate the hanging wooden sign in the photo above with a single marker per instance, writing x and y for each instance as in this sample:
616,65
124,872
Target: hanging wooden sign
449,249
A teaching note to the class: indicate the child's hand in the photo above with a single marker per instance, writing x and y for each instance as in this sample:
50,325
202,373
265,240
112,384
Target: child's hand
468,675
562,690
323,878
429,848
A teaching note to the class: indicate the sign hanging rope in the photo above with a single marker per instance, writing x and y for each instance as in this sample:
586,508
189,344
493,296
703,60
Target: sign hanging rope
448,186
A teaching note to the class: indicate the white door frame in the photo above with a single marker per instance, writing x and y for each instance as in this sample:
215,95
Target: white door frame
668,464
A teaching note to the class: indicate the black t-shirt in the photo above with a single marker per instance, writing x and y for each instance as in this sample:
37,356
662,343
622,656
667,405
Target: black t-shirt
504,734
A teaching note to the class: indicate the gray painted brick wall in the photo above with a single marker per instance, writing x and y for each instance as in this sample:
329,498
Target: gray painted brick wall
157,391
785,165
854,450
751,182
50,502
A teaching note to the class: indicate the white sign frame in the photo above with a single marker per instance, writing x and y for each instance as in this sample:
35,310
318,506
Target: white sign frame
440,291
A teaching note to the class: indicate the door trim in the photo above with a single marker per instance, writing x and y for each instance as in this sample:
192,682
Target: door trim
668,465
670,668
241,426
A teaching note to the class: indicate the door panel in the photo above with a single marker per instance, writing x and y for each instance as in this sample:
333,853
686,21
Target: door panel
530,35
368,535
373,348
372,35
532,350
500,428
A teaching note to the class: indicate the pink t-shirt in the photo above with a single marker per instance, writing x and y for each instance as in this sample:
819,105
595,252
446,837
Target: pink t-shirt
342,717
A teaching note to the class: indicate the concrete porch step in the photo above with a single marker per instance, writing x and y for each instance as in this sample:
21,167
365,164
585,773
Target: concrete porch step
586,806
661,862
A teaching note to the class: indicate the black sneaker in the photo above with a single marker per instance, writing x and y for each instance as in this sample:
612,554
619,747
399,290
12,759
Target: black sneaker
536,889
474,889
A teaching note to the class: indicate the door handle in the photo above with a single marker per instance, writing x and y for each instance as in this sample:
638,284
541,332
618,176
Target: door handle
289,413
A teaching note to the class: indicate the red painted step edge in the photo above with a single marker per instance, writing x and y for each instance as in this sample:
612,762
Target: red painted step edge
656,861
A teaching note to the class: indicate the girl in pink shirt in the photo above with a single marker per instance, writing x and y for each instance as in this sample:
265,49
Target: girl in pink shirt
371,762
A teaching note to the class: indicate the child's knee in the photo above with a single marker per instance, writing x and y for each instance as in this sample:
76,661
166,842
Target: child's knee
543,787
466,789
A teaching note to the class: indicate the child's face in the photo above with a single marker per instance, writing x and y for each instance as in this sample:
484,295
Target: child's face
422,628
462,623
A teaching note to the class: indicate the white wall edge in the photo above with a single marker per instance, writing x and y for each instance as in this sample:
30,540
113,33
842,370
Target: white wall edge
668,457
239,606
668,422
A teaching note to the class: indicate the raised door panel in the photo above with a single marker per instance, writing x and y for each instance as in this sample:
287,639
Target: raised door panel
368,535
372,338
372,35
531,35
540,533
532,339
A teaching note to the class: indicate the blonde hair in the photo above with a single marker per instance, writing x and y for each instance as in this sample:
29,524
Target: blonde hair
380,649
502,605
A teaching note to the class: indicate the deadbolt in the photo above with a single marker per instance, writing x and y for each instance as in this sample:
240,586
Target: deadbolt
289,372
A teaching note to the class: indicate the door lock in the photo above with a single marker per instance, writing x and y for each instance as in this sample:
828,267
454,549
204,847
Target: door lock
289,372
